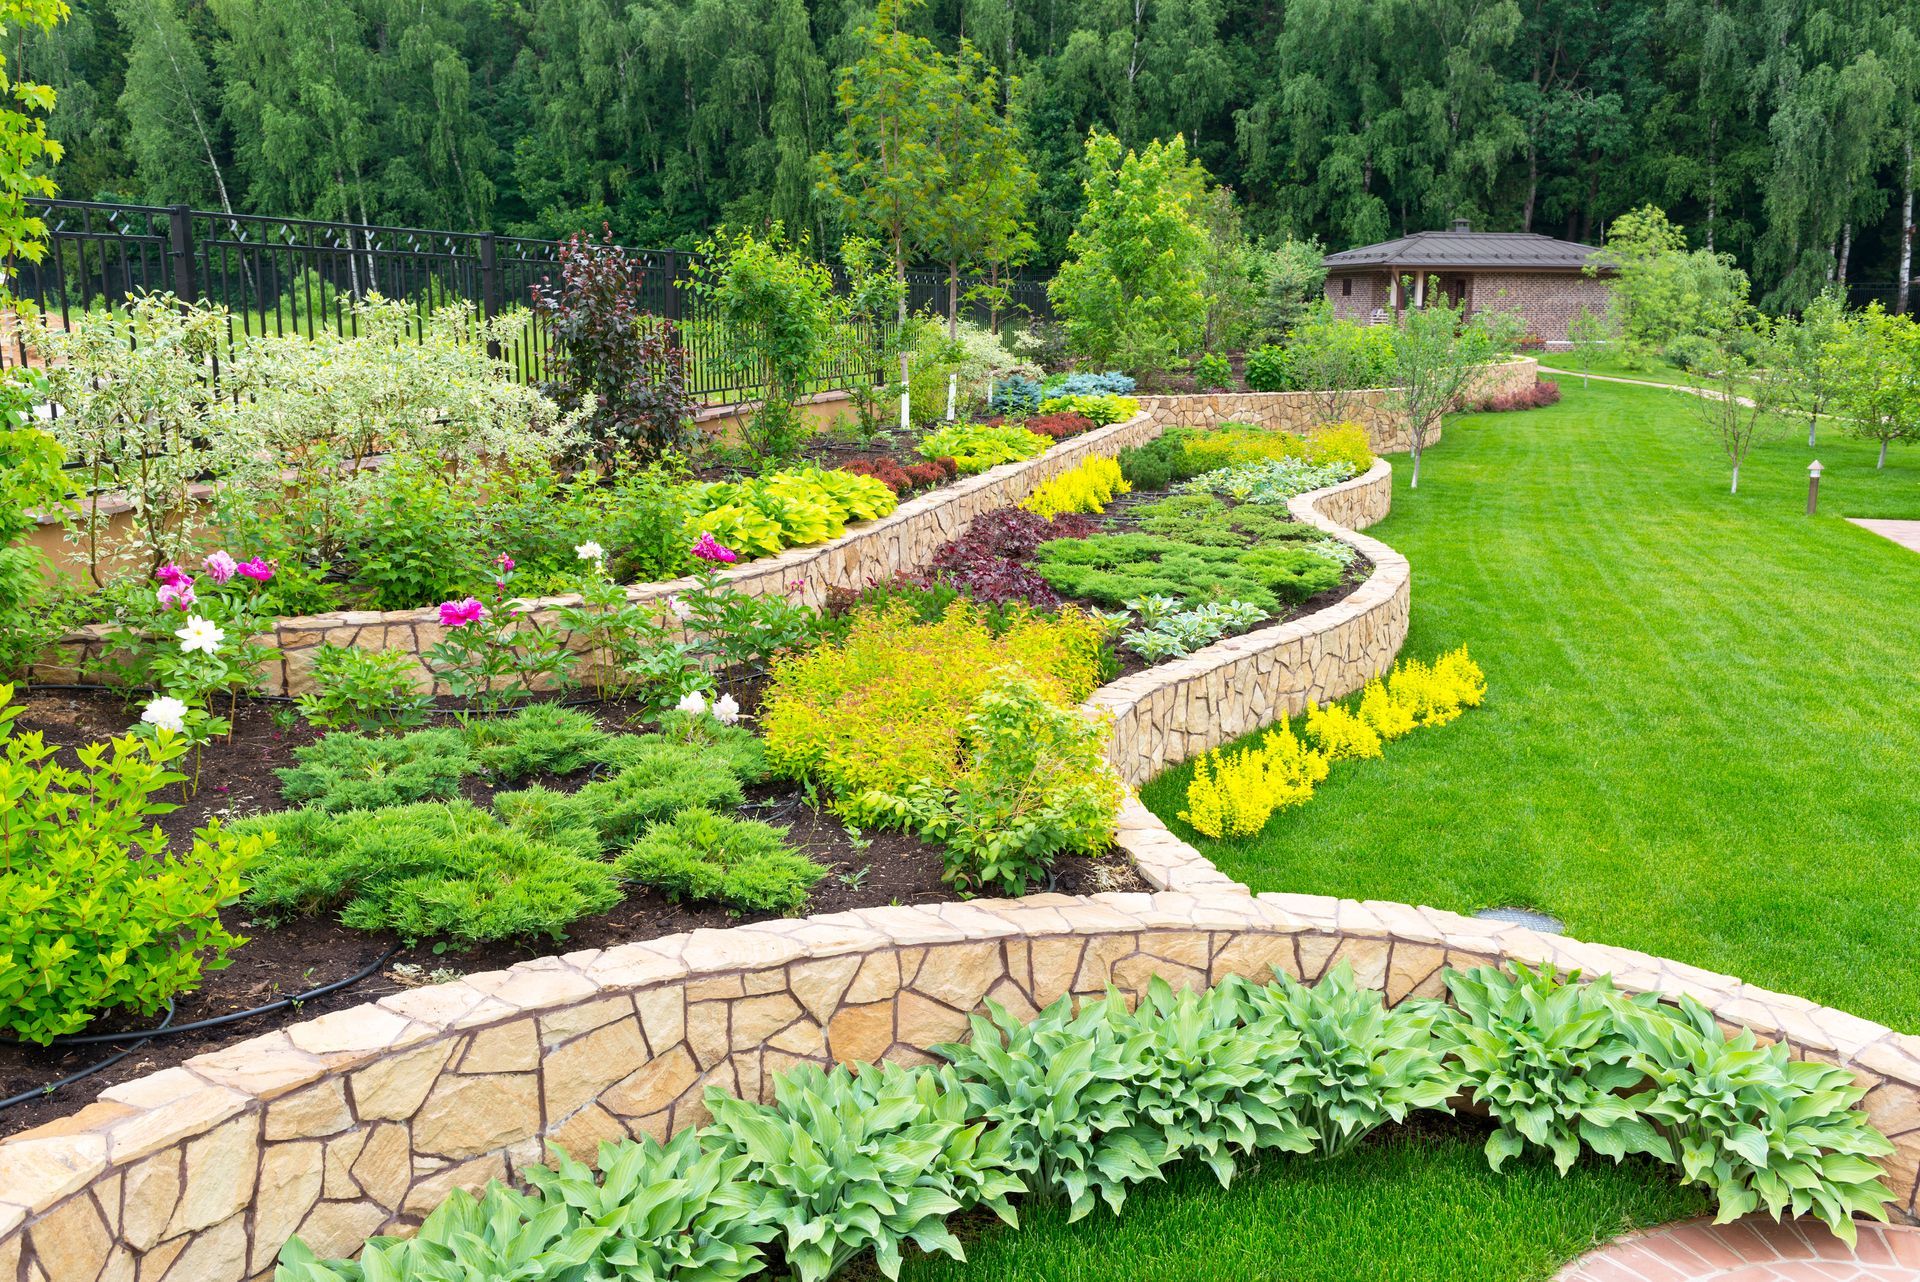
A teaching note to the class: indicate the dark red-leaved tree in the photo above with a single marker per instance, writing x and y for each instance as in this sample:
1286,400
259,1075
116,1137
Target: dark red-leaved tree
605,346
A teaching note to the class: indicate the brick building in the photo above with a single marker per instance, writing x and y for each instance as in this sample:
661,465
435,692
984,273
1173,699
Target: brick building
1542,280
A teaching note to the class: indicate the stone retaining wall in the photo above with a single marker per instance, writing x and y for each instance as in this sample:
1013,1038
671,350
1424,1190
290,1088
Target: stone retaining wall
871,551
1301,412
1184,707
362,1120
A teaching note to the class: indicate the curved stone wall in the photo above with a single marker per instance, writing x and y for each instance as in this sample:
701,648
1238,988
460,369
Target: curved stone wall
1301,412
364,1119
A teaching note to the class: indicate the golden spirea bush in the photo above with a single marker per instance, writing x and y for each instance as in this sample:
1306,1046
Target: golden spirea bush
1087,488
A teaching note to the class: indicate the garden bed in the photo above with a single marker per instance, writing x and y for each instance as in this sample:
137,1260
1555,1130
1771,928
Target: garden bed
296,954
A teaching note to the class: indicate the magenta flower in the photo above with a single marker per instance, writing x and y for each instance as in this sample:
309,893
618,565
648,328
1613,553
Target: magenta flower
711,549
177,595
172,575
458,614
222,567
256,569
505,563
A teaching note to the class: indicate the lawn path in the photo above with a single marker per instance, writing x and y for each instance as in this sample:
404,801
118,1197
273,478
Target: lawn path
1704,708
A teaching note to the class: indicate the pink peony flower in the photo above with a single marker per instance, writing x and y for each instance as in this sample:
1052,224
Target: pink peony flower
256,569
458,614
177,595
172,575
505,563
222,567
711,549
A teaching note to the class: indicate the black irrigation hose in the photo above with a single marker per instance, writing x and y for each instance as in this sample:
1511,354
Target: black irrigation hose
167,1028
506,710
41,1092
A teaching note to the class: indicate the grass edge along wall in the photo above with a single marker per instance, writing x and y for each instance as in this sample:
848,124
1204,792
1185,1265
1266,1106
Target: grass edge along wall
197,1171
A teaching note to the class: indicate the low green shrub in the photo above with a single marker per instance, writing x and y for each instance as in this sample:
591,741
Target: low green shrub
542,738
1113,569
1270,480
736,747
1035,785
372,691
1270,369
667,1213
446,872
658,781
852,1162
1213,373
789,508
975,447
100,915
1102,407
742,863
344,772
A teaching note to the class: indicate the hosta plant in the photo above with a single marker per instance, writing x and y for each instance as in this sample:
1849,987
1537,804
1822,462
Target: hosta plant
1754,1126
1363,1064
1548,1057
1058,1088
1211,1086
875,1160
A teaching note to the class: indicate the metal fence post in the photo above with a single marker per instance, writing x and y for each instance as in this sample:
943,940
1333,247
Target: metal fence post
671,298
180,250
490,296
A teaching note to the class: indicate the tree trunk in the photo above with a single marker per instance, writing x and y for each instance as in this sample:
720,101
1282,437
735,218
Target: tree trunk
1846,251
1906,231
1813,426
1736,477
1883,453
1533,188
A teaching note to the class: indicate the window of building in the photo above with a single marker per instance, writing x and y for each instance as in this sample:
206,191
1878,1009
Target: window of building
1346,287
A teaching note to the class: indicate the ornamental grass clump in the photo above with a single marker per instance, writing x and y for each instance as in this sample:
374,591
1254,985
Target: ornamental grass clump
847,1163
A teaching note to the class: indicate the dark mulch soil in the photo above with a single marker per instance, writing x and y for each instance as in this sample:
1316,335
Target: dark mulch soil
237,779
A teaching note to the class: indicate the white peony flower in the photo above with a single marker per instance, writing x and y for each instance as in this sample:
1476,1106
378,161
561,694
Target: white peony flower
589,551
726,710
693,703
166,712
681,610
200,634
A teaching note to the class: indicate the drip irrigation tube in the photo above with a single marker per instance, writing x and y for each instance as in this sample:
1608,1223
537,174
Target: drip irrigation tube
167,1028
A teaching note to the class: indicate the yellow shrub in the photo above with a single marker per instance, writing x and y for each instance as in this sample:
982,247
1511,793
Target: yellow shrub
1341,734
1087,488
1233,443
1341,442
1389,717
1462,676
1233,794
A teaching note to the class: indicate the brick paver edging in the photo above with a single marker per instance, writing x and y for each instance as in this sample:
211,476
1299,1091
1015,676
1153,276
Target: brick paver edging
364,1119
1751,1250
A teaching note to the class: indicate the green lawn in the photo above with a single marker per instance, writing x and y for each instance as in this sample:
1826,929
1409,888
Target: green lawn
1704,712
1411,1207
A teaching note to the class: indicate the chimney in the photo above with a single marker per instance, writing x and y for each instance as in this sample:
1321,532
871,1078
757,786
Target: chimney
1462,225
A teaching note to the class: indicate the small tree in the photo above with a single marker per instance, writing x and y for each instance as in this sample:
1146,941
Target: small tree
1877,372
1287,277
1437,355
1740,393
1594,335
1663,290
872,301
610,355
1334,360
776,303
1132,291
1810,353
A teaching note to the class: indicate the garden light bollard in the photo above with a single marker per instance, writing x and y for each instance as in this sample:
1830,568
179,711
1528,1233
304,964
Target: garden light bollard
1813,486
906,423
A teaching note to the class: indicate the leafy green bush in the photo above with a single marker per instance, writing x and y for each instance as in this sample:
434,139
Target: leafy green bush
99,914
1102,407
737,747
1753,1125
542,738
793,507
1035,785
672,1213
447,872
1270,369
360,772
1364,1064
1547,1059
1270,480
1113,569
372,691
1213,373
1159,462
975,447
411,539
742,863
849,1162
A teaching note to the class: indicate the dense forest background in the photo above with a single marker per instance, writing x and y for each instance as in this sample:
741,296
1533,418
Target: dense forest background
1780,131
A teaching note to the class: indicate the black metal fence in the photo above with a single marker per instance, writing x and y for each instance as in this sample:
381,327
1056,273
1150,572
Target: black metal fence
284,276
